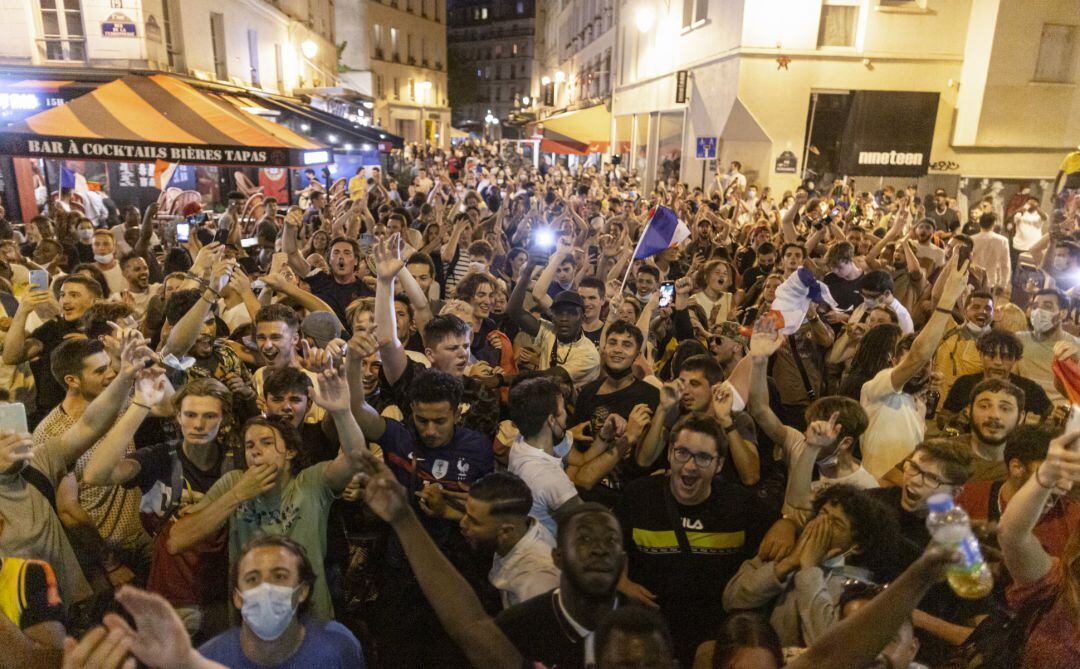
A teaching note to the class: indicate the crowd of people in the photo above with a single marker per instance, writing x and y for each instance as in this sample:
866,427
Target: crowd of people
457,417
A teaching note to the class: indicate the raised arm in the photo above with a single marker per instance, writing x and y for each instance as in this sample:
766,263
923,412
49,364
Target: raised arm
223,498
107,464
419,301
787,223
652,444
764,342
744,454
926,342
449,250
540,288
362,345
387,265
1025,557
294,218
455,603
184,332
304,298
19,348
331,392
515,306
102,411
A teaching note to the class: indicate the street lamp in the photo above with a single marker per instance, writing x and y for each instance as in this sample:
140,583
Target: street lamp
309,48
544,81
560,77
525,100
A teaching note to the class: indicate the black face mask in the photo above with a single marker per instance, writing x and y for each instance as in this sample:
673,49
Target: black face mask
765,269
617,374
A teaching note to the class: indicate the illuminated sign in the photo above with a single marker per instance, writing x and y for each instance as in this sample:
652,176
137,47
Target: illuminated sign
19,102
316,157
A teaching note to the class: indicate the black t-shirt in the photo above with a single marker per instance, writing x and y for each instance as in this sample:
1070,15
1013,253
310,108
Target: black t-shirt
337,295
156,464
50,392
1035,399
755,274
541,633
844,291
723,532
594,409
594,336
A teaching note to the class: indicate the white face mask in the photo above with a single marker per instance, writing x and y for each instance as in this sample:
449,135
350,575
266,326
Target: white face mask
1042,320
85,235
562,448
1061,263
871,303
837,561
976,330
104,259
268,609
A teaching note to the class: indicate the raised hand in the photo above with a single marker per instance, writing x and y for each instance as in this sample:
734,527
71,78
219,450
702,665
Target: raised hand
221,273
1061,468
388,260
361,345
671,394
100,648
313,358
766,339
722,400
955,282
816,539
640,417
381,491
821,434
134,354
614,428
158,638
331,390
239,387
294,216
150,386
683,287
206,257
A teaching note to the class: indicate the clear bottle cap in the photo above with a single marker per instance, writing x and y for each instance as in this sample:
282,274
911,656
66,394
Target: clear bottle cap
940,502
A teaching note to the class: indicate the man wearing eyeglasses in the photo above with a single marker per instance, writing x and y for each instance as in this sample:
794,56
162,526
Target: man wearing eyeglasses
686,534
936,466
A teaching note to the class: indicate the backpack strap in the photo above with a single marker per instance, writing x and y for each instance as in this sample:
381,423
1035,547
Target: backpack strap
41,483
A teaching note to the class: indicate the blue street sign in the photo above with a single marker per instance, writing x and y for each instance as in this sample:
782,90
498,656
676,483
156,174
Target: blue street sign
706,148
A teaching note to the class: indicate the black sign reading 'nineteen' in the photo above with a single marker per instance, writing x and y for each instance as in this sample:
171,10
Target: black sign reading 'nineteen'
888,133
132,151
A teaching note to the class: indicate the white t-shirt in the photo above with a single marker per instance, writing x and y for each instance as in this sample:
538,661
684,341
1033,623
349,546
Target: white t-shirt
580,358
527,570
114,277
792,448
1029,230
548,482
896,424
907,326
722,314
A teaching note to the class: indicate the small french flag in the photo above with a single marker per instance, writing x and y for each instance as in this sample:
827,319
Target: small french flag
163,173
663,231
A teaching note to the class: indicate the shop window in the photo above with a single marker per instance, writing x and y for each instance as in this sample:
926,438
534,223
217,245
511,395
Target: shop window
1057,50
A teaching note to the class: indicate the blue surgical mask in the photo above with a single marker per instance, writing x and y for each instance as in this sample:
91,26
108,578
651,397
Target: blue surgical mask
562,449
268,609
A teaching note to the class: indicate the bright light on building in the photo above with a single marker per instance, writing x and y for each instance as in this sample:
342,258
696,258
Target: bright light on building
332,139
304,127
560,77
525,100
309,48
544,81
348,147
644,17
369,105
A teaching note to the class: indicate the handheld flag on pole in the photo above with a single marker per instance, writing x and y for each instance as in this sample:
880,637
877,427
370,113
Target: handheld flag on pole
163,173
663,231
67,178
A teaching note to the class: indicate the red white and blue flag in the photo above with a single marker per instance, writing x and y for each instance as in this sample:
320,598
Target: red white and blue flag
163,173
663,231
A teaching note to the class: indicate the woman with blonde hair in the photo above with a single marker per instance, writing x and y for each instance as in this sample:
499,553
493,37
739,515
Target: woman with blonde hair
714,282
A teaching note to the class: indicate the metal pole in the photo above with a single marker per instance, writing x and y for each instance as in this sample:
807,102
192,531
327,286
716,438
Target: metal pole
809,131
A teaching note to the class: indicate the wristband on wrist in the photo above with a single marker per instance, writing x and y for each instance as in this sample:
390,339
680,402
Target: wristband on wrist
140,404
944,310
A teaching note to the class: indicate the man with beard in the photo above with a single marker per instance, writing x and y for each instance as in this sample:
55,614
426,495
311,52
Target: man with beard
171,476
77,294
924,234
29,486
936,466
556,629
139,291
496,519
958,354
559,342
985,501
999,352
687,533
343,284
1045,311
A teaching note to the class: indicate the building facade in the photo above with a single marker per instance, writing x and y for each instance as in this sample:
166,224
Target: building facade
575,44
395,52
278,46
794,89
493,53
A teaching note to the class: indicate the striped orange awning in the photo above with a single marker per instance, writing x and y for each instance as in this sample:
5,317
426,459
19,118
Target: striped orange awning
158,117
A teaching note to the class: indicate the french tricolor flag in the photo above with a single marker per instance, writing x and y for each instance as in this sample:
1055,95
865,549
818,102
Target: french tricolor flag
663,231
163,173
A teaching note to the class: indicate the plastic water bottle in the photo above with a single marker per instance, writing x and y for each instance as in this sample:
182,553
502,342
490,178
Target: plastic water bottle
950,527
